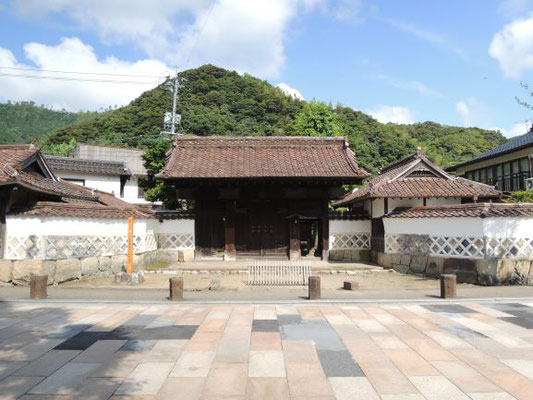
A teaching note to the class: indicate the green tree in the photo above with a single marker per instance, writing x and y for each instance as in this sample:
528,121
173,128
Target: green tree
315,119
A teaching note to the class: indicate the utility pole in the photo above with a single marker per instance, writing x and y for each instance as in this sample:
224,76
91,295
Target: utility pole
174,101
172,118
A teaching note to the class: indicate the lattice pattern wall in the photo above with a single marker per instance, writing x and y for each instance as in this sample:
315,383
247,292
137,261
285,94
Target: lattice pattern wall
350,241
461,247
175,241
61,247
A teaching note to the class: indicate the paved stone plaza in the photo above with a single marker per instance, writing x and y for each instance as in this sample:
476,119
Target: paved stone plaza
467,350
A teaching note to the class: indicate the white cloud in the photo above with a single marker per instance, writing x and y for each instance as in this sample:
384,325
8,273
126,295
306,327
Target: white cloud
237,34
346,10
513,47
433,38
411,85
515,8
516,130
472,111
290,91
395,114
72,54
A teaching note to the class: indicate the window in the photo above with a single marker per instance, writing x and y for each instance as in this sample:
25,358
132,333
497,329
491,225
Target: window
476,175
524,166
490,177
483,175
140,192
469,175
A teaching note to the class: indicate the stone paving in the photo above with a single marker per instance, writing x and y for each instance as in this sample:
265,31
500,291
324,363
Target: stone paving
314,351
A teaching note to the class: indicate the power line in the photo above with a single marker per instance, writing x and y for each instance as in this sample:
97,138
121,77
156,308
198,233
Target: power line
66,78
211,6
80,73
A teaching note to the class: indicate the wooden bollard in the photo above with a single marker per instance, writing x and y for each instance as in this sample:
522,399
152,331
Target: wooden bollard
38,286
350,285
176,288
448,286
314,287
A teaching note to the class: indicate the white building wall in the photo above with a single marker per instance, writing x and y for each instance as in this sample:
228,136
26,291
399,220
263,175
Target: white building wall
131,192
349,235
434,226
105,183
508,227
343,226
378,207
57,226
395,203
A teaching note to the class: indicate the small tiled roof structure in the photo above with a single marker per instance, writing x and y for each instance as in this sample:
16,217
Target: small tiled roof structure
277,157
24,166
472,210
79,210
417,177
100,167
131,157
513,144
14,158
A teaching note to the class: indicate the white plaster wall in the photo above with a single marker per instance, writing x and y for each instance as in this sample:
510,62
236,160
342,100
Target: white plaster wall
395,203
55,226
508,227
443,201
472,227
337,227
177,226
105,183
340,226
131,192
378,208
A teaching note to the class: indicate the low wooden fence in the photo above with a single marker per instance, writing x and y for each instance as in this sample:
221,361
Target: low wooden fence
265,272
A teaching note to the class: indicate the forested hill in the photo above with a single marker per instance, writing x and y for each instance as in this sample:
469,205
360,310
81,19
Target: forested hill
214,101
24,121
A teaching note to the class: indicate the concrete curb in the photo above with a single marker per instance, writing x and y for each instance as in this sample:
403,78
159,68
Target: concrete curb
274,302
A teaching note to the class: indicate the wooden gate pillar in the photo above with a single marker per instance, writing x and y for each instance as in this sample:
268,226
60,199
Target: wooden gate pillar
230,253
294,239
325,231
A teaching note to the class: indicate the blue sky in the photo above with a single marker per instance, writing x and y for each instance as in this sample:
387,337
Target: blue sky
454,62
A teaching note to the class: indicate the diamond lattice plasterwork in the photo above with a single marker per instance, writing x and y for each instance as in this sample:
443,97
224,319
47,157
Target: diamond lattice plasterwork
466,247
515,248
350,241
173,241
62,247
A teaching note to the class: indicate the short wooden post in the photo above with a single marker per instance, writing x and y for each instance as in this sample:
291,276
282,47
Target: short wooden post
314,287
448,286
38,286
129,265
176,288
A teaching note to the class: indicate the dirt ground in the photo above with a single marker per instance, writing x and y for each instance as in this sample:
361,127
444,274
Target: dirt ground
368,280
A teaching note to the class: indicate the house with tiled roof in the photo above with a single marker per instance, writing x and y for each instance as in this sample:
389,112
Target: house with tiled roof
261,196
45,220
108,168
415,181
411,182
507,167
108,176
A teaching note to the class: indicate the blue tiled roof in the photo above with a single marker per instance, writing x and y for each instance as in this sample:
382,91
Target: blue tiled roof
513,144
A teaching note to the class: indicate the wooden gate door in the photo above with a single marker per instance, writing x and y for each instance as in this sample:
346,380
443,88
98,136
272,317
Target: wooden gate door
260,230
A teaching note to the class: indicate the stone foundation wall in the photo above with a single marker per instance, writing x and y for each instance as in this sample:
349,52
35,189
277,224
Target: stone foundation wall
349,255
17,272
477,271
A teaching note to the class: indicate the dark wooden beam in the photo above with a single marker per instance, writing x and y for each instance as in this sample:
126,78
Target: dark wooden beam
325,230
294,239
230,253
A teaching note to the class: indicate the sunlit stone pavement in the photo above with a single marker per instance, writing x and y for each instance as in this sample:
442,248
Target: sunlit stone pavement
308,351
